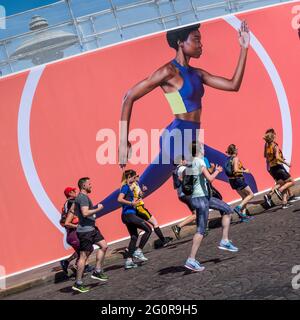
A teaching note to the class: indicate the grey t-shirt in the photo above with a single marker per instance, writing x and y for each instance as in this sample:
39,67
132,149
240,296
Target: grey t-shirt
86,224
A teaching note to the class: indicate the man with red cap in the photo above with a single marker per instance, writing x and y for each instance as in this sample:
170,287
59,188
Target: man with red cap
70,221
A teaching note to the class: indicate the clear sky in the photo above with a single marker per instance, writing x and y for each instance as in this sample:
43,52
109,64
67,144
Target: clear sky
15,6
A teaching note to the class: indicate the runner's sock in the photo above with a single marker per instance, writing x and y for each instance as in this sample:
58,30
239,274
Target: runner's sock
159,234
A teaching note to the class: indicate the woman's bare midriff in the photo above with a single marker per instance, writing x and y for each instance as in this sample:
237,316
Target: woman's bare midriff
194,116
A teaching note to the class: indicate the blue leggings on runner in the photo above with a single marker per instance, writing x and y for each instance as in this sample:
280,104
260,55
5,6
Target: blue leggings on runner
201,205
182,133
220,205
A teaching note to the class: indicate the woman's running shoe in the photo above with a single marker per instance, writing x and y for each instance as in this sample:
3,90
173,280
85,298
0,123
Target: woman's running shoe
129,264
293,198
193,265
64,265
238,211
138,254
206,232
286,206
243,216
167,241
228,246
88,268
80,287
268,200
176,231
99,276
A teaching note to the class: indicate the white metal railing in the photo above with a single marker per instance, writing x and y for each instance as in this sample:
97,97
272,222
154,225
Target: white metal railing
165,14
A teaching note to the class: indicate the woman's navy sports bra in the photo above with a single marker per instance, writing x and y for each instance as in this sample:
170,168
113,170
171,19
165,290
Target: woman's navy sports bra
188,98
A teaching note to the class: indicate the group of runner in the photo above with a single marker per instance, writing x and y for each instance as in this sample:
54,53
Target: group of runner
192,179
202,196
183,87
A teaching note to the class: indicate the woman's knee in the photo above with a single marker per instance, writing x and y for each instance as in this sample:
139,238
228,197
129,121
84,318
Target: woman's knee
104,247
134,237
143,225
83,255
201,229
153,221
201,225
148,229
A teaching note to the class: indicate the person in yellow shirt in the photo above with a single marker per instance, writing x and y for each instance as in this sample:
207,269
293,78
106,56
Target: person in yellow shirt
275,166
144,213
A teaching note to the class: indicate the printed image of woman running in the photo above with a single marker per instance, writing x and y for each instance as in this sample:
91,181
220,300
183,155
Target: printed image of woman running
183,86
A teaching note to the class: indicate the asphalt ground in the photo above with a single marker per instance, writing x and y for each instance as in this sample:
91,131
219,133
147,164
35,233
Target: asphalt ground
262,269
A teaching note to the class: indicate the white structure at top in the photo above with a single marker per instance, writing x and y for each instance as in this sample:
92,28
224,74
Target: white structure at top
45,46
68,27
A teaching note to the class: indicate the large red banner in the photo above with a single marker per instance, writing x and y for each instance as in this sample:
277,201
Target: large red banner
53,116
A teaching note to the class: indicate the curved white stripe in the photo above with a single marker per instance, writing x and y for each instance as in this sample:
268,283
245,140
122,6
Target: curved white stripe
279,89
29,169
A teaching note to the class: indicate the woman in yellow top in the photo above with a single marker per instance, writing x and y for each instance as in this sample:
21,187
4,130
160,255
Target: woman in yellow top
275,162
144,213
238,183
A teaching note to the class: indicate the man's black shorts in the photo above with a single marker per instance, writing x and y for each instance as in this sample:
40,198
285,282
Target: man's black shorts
87,239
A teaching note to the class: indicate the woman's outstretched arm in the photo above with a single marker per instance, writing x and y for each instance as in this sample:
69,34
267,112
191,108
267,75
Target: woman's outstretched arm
158,78
234,83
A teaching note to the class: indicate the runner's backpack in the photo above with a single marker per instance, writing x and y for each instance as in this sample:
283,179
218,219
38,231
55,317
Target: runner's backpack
188,181
64,212
215,193
228,168
176,180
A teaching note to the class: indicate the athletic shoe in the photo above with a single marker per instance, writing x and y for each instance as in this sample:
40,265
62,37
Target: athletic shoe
206,232
193,265
88,268
293,199
238,211
245,218
80,287
99,276
279,194
167,240
286,205
227,245
129,264
268,200
176,231
64,265
138,254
